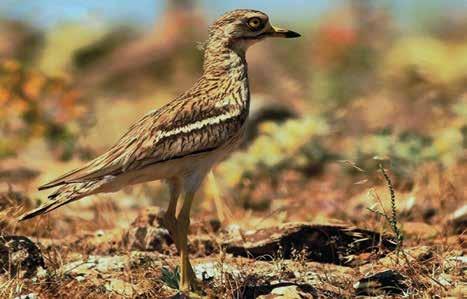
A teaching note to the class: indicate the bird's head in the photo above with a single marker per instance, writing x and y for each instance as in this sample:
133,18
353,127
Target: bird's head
241,28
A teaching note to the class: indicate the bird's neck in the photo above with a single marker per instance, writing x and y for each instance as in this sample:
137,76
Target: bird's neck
225,69
223,61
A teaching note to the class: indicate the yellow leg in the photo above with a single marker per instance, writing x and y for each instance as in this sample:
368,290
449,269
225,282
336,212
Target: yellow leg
169,221
175,188
223,213
171,224
187,276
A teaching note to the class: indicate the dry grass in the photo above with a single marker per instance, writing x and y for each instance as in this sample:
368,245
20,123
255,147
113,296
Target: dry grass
428,262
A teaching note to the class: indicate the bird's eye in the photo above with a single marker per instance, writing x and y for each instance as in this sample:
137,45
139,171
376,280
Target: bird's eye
255,23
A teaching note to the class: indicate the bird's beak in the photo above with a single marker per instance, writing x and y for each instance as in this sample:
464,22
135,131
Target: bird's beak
279,32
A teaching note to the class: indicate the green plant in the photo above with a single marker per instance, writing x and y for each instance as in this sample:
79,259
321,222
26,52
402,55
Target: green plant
392,218
171,278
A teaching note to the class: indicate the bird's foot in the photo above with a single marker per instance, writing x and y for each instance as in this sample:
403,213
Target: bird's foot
192,285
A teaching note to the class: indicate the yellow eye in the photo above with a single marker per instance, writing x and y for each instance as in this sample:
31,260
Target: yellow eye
254,23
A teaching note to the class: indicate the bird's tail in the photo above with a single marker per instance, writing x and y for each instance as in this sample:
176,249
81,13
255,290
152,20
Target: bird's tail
65,194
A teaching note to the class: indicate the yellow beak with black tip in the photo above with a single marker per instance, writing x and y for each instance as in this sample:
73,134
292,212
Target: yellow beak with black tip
279,32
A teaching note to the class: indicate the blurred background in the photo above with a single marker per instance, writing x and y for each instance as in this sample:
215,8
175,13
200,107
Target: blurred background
369,82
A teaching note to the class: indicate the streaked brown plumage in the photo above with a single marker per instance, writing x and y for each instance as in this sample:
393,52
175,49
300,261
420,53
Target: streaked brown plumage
182,140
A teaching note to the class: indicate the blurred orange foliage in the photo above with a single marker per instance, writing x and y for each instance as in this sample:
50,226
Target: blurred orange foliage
34,105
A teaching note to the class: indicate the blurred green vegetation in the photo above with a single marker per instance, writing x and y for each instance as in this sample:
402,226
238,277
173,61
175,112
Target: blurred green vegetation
279,146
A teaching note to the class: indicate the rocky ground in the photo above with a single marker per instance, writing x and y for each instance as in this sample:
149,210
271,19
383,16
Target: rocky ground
125,253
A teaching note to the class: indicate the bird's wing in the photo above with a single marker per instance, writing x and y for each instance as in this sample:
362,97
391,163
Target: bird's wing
180,128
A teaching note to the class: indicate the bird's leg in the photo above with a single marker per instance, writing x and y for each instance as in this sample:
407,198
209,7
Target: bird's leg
169,221
187,275
223,212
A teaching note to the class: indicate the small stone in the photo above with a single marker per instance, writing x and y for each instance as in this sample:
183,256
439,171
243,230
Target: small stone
28,296
148,238
120,287
147,234
320,243
214,270
445,280
107,264
41,273
290,292
96,265
234,230
458,219
388,282
460,259
19,255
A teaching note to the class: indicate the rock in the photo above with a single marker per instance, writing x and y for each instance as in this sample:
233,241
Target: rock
19,255
445,280
148,239
256,278
120,287
321,243
28,296
147,234
202,245
105,266
287,292
384,283
283,290
95,265
233,231
213,270
461,259
458,219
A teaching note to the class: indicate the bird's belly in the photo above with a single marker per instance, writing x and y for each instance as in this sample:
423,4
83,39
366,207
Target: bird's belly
180,167
199,164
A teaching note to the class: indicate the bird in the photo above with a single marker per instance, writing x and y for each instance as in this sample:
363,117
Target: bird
181,141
